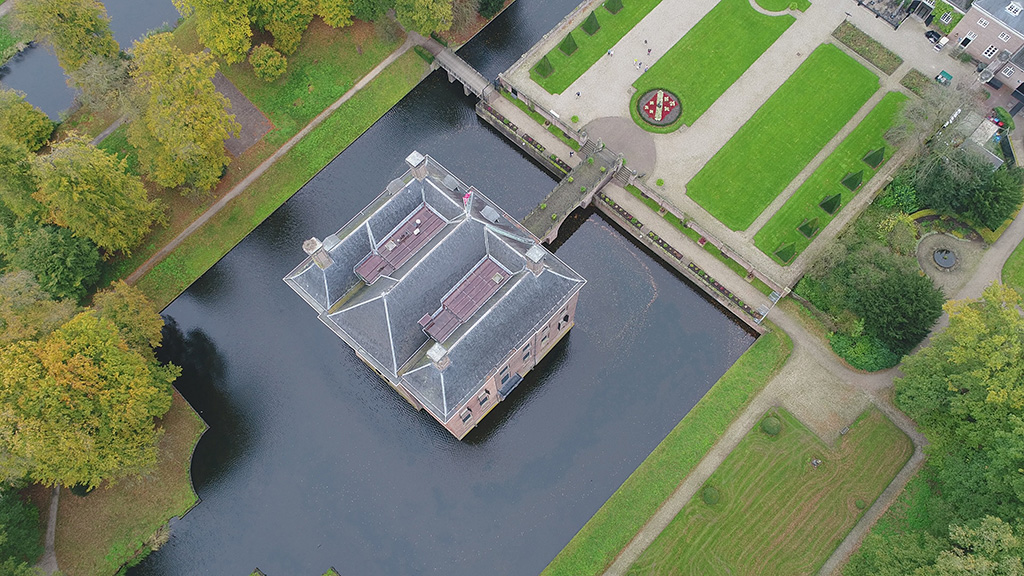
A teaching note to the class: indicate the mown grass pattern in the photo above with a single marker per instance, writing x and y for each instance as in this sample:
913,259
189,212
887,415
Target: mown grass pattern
767,152
825,181
596,544
777,513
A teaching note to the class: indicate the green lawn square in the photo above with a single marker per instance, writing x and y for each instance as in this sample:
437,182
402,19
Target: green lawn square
826,180
710,58
767,152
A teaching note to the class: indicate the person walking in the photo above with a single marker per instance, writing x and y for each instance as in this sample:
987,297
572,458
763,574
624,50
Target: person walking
577,95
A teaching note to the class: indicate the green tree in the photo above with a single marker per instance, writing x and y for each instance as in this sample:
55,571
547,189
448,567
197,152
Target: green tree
1002,196
79,405
268,64
223,26
367,10
425,16
489,8
17,178
966,392
177,149
335,13
26,312
988,549
90,192
19,529
285,19
77,29
958,182
65,266
23,122
901,310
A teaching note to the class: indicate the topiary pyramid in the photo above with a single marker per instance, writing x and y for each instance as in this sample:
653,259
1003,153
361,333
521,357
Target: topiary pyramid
613,6
875,157
808,227
853,179
568,45
591,25
786,252
544,68
831,203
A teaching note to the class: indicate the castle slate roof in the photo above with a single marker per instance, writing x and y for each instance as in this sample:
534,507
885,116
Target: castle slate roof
997,9
386,320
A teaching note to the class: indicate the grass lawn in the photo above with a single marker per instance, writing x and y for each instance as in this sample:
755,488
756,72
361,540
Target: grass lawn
767,152
9,40
202,250
98,533
595,546
870,49
1013,270
780,5
826,181
709,58
777,514
590,48
117,143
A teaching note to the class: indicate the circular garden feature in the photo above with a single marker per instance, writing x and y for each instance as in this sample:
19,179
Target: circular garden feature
944,258
659,107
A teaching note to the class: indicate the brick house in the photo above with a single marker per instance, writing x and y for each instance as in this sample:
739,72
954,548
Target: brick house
445,296
993,31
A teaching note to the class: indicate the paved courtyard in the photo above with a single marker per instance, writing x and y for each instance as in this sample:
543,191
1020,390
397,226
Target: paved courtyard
605,90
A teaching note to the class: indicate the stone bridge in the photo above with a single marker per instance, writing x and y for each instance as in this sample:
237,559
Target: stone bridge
459,70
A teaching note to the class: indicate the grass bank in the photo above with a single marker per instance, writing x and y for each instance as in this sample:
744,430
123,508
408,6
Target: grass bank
698,69
566,68
202,250
98,533
808,203
792,126
1013,270
597,544
11,42
775,512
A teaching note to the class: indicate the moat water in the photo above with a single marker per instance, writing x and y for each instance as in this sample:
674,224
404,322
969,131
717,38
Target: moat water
312,462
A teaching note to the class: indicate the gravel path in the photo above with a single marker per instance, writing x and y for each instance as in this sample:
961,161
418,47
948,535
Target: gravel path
48,563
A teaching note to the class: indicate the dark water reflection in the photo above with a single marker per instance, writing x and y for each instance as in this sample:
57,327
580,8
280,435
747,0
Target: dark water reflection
311,461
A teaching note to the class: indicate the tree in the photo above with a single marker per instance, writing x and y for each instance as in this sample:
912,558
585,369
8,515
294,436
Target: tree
285,19
89,192
19,529
26,312
950,179
177,149
102,82
1003,196
80,404
23,122
489,8
335,13
65,266
17,178
267,63
367,10
901,310
134,315
224,26
966,392
77,29
988,549
425,16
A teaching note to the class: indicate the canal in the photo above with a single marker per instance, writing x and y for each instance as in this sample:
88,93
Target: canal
311,461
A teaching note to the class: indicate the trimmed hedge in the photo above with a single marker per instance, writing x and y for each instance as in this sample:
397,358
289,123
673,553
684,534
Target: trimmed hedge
568,45
613,6
591,25
544,68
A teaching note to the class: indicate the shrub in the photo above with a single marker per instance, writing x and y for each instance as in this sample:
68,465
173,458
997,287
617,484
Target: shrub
853,180
1004,117
544,68
489,8
786,252
568,45
591,25
554,216
20,522
900,195
831,204
875,157
603,169
613,6
543,206
267,63
710,495
860,504
575,118
864,352
659,182
808,228
771,425
424,53
590,160
583,188
570,179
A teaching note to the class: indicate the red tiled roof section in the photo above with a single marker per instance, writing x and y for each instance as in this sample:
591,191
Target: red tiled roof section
486,279
400,246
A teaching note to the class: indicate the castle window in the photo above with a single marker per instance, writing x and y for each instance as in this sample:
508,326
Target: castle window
1014,9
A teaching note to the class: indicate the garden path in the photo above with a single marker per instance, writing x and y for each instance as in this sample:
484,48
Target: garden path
48,562
411,39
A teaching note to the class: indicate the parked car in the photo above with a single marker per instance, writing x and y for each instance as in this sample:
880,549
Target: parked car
932,36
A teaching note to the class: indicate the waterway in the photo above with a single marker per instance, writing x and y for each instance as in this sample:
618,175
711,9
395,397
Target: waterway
36,72
312,462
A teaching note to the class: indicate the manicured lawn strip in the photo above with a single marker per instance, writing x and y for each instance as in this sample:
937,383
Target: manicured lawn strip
777,514
705,62
826,180
767,152
870,49
591,48
650,202
98,533
211,242
571,143
762,287
916,82
327,64
595,546
780,5
1013,270
555,130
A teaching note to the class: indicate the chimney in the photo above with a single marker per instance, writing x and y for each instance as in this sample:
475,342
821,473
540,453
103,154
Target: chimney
535,259
438,354
315,248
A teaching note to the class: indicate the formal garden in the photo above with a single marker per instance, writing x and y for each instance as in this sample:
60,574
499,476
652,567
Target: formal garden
781,501
792,126
705,62
831,187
